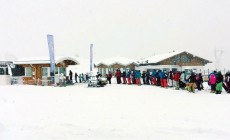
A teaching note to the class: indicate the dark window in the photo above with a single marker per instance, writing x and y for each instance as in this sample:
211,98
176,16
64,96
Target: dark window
18,71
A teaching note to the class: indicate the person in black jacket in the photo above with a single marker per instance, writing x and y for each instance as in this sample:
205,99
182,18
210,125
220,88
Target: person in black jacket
124,77
143,77
147,77
191,84
158,79
76,75
226,85
109,77
70,76
199,81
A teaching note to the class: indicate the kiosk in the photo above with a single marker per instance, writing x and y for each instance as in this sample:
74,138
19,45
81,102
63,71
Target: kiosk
5,72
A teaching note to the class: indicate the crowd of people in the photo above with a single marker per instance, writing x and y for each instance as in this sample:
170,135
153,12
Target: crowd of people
172,79
178,80
81,78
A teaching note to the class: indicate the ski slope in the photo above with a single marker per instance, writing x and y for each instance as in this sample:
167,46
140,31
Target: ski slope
114,112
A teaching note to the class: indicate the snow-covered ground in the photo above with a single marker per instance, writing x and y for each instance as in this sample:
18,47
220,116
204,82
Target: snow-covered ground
114,112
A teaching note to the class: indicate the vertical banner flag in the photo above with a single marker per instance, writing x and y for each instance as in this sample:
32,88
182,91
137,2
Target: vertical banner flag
91,57
52,60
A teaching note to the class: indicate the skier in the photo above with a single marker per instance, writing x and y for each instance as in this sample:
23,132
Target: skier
138,77
158,79
109,77
118,76
226,85
133,75
161,75
124,77
182,80
143,77
219,83
154,81
199,81
147,77
97,76
176,79
76,75
191,84
129,77
212,82
70,77
170,79
165,83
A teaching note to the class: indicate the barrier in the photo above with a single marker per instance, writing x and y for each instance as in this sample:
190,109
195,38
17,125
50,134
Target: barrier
5,80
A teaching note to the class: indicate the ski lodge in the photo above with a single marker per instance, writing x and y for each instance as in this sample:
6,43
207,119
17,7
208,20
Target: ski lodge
173,61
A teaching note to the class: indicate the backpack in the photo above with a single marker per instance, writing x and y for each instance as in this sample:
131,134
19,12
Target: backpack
197,77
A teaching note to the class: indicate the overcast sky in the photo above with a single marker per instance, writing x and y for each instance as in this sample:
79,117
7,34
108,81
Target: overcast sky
129,28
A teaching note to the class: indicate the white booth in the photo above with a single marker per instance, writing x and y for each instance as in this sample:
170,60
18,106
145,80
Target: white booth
5,72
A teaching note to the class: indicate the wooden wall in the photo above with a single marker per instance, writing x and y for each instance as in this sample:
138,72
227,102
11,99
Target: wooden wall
37,71
178,60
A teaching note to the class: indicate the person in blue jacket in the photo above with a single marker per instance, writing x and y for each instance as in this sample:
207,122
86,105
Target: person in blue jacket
138,77
161,75
154,80
129,77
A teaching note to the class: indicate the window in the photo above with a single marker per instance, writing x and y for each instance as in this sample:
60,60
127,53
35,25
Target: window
62,70
28,71
45,71
166,69
174,69
112,71
56,70
2,71
185,58
104,71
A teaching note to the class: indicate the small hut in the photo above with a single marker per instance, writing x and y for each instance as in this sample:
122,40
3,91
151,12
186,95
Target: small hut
37,69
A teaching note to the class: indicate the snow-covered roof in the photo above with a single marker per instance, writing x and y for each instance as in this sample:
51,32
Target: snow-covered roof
5,61
45,60
84,66
160,57
116,60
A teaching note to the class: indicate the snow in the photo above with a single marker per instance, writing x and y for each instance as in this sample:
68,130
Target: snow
124,112
83,67
45,60
118,59
160,57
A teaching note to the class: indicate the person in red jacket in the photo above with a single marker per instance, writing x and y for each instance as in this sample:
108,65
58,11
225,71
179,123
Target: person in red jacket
118,76
176,79
109,77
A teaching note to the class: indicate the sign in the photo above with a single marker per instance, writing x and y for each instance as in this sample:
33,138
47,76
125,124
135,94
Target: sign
3,65
52,59
91,57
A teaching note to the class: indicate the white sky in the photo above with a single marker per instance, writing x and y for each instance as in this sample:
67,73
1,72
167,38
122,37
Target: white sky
130,28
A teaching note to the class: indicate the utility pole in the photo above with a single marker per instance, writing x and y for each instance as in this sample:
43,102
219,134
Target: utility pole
218,54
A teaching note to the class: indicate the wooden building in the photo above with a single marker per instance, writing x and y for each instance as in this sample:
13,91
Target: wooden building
175,61
112,64
37,70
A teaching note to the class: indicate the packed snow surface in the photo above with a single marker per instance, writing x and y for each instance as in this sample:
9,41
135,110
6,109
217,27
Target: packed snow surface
114,112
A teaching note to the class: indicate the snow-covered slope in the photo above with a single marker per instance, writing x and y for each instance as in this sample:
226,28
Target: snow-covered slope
118,112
